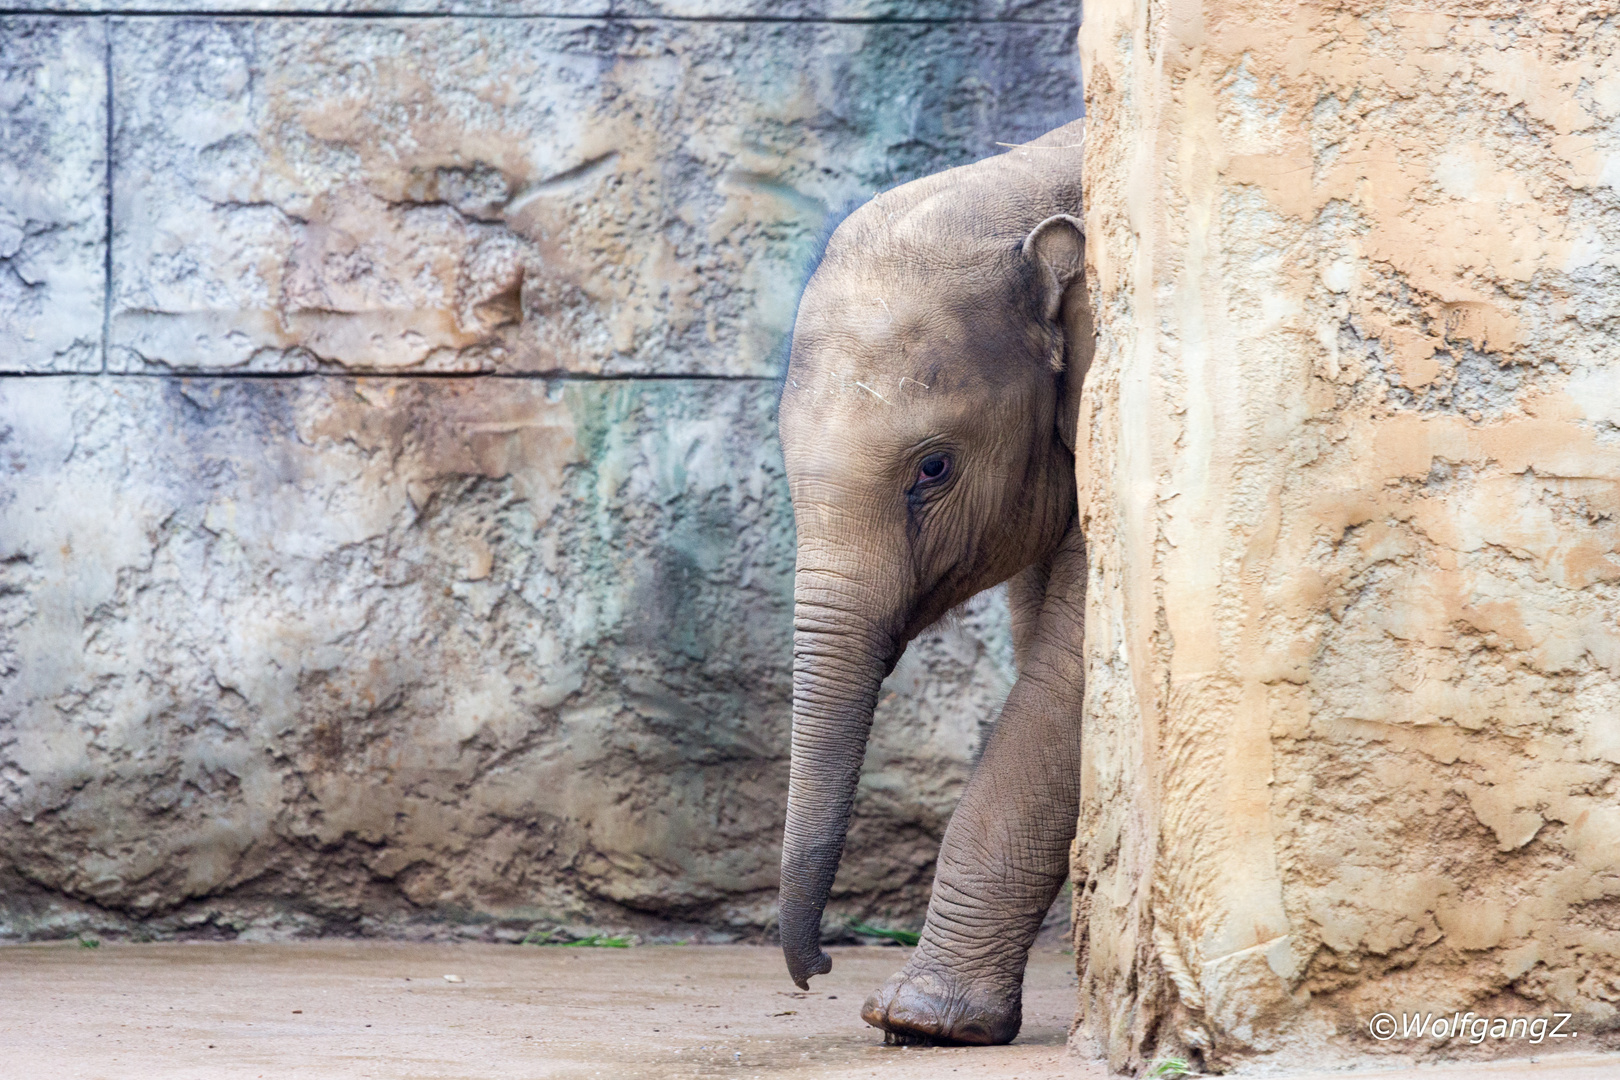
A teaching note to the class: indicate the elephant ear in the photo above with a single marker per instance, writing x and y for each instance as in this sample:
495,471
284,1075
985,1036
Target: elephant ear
1079,345
1058,247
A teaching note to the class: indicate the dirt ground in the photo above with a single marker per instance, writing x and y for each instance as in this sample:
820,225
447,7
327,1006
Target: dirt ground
366,1009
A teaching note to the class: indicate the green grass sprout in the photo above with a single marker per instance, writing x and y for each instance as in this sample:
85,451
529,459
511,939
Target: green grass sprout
1171,1069
899,937
89,943
598,941
590,941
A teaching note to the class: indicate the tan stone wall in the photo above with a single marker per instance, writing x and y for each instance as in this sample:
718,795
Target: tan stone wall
392,530
1353,726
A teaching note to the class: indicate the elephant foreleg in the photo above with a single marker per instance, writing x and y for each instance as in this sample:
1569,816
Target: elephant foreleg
1005,853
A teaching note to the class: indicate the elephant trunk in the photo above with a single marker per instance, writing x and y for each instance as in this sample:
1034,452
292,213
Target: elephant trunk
839,663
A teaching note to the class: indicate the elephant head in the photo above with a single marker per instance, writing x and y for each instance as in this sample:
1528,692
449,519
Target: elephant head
927,424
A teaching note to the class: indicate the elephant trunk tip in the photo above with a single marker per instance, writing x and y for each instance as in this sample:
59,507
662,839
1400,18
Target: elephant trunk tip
805,963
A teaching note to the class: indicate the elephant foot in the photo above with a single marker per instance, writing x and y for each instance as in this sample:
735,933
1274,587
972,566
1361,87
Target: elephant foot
929,1006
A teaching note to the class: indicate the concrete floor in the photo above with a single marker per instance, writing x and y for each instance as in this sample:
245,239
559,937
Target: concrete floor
364,1009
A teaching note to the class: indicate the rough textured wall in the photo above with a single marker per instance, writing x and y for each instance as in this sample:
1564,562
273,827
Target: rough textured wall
392,531
1353,734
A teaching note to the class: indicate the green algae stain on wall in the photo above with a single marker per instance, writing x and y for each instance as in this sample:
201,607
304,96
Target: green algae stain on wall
706,466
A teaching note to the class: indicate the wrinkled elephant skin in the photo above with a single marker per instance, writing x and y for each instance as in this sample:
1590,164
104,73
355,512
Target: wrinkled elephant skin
928,422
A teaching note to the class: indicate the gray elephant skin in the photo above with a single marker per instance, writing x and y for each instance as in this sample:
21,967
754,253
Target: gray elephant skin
927,423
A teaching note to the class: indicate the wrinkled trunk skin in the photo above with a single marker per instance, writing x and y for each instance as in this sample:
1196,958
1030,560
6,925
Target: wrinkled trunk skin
839,663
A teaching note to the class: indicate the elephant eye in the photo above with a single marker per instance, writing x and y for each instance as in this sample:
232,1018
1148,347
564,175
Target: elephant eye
934,468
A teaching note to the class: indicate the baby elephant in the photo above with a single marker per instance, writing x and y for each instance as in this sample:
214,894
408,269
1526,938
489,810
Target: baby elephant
928,425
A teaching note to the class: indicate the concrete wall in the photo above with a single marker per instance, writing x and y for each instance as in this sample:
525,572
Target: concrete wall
1353,740
392,532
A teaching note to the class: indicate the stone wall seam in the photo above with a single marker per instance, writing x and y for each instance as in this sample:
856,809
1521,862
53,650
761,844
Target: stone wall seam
317,13
514,376
107,229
